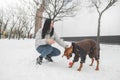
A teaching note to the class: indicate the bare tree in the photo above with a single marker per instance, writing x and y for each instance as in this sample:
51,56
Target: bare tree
14,22
97,4
57,9
1,22
6,24
28,29
39,13
4,32
54,9
18,19
28,32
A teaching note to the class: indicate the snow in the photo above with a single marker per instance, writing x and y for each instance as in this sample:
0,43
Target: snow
18,62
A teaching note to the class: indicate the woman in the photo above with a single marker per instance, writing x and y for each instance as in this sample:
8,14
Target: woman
45,37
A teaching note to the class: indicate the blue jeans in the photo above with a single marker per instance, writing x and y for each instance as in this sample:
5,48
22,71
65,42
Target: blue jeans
45,50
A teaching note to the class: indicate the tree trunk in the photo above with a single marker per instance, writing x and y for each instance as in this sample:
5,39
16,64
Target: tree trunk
0,32
38,18
11,32
1,28
98,33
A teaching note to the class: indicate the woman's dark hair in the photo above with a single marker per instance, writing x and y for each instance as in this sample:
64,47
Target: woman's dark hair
46,28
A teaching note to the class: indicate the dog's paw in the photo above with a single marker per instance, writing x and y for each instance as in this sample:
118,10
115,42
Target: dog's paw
78,69
91,65
97,69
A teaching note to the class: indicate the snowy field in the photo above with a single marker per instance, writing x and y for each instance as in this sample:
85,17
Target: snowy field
18,62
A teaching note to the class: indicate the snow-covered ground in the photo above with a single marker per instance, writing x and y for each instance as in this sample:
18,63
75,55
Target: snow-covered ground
18,62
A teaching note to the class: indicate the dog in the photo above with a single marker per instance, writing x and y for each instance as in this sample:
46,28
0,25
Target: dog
81,49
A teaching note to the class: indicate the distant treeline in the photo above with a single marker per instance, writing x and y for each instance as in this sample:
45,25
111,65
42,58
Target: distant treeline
103,39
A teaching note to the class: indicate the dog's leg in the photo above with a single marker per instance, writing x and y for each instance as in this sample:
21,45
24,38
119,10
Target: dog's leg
92,61
97,67
81,65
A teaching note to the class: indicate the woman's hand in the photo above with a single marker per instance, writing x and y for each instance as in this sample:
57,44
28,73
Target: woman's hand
50,41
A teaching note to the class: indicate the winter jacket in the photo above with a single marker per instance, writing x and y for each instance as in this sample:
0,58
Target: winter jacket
79,53
39,41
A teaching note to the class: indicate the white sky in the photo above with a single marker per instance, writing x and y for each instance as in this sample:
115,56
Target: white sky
85,22
5,3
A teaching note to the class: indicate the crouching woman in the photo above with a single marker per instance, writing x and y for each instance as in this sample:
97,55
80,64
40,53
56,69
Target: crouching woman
44,39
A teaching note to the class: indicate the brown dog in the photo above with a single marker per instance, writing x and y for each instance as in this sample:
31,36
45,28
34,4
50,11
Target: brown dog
81,49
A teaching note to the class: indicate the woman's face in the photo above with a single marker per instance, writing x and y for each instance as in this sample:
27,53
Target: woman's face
51,25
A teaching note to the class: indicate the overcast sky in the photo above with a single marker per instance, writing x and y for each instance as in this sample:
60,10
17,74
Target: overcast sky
85,22
5,3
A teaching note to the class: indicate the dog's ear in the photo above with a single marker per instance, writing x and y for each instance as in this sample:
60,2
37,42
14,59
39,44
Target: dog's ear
64,52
